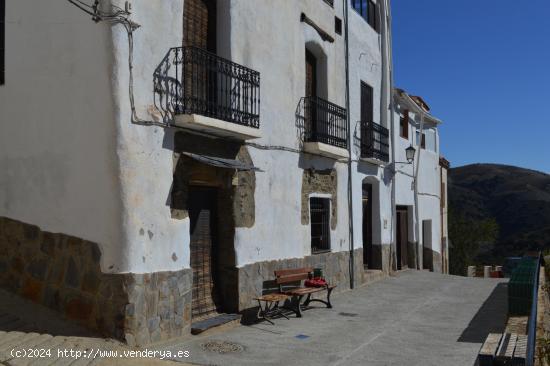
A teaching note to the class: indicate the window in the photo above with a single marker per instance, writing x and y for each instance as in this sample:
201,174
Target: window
419,142
367,103
320,221
404,125
2,39
338,25
368,11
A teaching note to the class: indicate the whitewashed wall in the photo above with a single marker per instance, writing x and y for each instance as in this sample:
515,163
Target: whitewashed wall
74,163
58,158
367,65
272,40
153,240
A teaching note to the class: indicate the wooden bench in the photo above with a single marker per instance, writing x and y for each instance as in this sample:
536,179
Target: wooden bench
290,283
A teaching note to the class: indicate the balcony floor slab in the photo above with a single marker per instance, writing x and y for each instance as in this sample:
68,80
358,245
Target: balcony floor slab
327,150
217,127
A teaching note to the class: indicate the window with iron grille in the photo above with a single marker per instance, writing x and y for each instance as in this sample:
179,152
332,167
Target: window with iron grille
320,224
368,11
2,39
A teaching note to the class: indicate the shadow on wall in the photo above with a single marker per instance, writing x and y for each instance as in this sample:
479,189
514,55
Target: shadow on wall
490,318
300,123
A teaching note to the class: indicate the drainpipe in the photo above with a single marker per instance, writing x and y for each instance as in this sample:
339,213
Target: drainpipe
392,128
350,183
416,201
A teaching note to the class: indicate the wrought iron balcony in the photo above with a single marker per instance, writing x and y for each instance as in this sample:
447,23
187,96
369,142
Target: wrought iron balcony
325,122
190,80
374,142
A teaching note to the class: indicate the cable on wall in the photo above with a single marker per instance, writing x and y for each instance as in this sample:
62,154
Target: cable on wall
120,16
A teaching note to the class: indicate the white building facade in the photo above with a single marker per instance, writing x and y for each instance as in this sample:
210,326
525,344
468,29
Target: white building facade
421,199
161,161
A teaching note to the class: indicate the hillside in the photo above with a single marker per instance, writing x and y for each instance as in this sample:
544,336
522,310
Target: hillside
519,200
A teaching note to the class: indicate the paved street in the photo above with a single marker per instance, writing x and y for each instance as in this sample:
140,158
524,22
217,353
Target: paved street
418,318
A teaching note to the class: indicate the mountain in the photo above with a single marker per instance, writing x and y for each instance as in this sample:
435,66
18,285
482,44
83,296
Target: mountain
517,198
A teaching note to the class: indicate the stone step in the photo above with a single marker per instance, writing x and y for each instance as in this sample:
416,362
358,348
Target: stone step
204,325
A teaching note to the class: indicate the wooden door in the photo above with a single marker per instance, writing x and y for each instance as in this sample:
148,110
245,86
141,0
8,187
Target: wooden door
199,71
367,226
367,116
310,112
402,238
427,254
202,214
199,24
311,75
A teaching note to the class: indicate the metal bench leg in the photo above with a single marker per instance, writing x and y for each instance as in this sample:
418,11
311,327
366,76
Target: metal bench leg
297,310
308,300
263,313
327,302
279,310
329,291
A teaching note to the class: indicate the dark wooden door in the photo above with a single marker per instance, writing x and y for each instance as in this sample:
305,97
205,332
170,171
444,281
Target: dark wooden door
311,103
367,113
311,75
202,214
402,237
199,70
199,24
368,255
367,116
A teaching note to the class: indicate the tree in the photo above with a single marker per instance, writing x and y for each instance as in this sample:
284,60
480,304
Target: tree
466,236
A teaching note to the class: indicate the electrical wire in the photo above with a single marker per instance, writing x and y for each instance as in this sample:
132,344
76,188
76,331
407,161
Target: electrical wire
120,16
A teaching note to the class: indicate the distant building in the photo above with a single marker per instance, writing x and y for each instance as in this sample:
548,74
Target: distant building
155,180
421,221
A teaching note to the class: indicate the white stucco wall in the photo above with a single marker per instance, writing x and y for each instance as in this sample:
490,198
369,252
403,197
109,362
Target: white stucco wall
76,164
367,65
58,159
153,240
272,40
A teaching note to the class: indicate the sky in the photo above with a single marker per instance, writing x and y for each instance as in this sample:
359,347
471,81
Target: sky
483,67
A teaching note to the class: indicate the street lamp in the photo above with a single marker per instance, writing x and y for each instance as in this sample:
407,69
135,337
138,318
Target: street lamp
409,153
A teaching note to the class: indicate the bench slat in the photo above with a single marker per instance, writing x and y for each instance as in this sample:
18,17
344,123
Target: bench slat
489,349
307,290
292,278
287,272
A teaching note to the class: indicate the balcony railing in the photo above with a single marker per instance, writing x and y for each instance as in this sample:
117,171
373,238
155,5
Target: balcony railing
374,141
190,80
325,122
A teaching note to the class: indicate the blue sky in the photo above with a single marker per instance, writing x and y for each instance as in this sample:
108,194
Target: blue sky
484,69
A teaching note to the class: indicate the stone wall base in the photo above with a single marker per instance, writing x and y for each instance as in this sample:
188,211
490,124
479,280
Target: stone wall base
257,278
63,273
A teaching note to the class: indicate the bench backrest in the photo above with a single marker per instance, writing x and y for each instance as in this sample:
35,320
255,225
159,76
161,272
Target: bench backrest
283,276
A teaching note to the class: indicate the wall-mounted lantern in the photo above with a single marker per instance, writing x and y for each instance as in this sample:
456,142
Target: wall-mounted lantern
409,154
